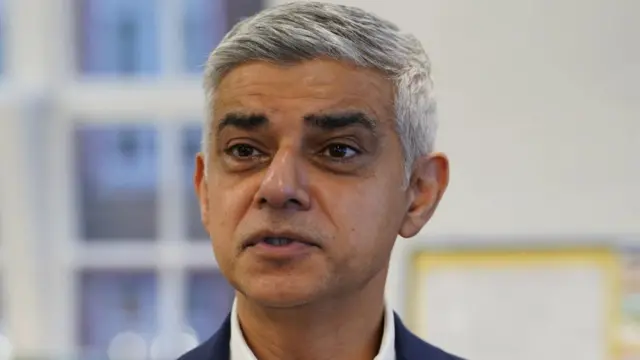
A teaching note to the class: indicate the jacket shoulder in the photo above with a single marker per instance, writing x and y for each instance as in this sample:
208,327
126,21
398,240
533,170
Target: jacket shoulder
411,347
201,352
434,352
216,348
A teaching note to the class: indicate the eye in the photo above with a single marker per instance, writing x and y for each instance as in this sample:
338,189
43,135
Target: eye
243,151
340,151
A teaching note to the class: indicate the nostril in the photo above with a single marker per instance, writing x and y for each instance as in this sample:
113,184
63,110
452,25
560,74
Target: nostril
279,203
294,202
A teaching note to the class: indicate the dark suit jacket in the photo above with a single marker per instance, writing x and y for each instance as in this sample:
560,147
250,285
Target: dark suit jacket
408,346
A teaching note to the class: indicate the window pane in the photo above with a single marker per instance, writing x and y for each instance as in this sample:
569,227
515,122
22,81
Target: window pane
240,9
191,146
117,175
209,301
118,37
205,23
118,311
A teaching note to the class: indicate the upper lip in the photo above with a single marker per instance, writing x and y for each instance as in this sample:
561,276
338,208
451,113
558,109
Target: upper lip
260,236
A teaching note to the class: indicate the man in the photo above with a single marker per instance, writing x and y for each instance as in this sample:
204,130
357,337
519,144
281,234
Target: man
317,154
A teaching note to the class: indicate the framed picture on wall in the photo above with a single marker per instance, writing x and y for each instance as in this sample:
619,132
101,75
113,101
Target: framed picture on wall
527,304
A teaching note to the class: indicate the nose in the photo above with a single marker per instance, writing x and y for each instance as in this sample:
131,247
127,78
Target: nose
284,185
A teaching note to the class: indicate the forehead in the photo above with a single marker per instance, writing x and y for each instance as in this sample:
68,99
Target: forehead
311,86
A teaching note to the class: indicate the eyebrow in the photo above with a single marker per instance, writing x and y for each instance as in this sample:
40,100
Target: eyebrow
243,121
340,120
327,122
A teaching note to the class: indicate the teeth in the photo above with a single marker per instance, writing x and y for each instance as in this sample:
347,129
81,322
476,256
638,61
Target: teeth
278,241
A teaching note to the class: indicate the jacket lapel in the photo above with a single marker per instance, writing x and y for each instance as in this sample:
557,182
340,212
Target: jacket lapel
219,342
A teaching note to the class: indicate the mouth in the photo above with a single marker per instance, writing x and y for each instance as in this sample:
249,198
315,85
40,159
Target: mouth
278,240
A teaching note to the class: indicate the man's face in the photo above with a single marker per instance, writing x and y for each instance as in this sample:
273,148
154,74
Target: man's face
303,195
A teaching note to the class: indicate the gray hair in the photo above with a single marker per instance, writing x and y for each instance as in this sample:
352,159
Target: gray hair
308,30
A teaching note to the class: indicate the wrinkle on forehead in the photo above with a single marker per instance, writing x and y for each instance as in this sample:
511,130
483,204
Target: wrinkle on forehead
262,84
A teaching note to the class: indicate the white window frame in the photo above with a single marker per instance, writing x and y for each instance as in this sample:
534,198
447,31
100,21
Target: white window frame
171,255
170,102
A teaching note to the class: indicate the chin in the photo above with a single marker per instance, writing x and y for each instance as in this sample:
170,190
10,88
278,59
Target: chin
279,291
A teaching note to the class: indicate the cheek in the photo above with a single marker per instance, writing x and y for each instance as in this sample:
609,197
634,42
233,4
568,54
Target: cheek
369,214
227,206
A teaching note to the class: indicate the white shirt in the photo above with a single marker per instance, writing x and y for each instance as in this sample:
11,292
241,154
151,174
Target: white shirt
241,351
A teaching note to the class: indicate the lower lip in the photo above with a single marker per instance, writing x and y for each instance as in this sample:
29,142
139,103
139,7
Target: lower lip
284,252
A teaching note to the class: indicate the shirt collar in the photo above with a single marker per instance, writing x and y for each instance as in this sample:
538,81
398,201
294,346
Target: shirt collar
388,344
240,349
238,346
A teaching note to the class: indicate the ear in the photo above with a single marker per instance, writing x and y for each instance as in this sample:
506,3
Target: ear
428,183
201,187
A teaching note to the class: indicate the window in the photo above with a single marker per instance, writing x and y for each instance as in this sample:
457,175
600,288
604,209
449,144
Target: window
191,138
117,170
118,313
123,37
240,9
118,37
121,153
205,23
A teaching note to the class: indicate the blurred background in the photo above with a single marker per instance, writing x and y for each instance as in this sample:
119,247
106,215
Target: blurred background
532,254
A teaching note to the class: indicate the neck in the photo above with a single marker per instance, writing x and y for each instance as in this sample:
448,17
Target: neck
342,327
